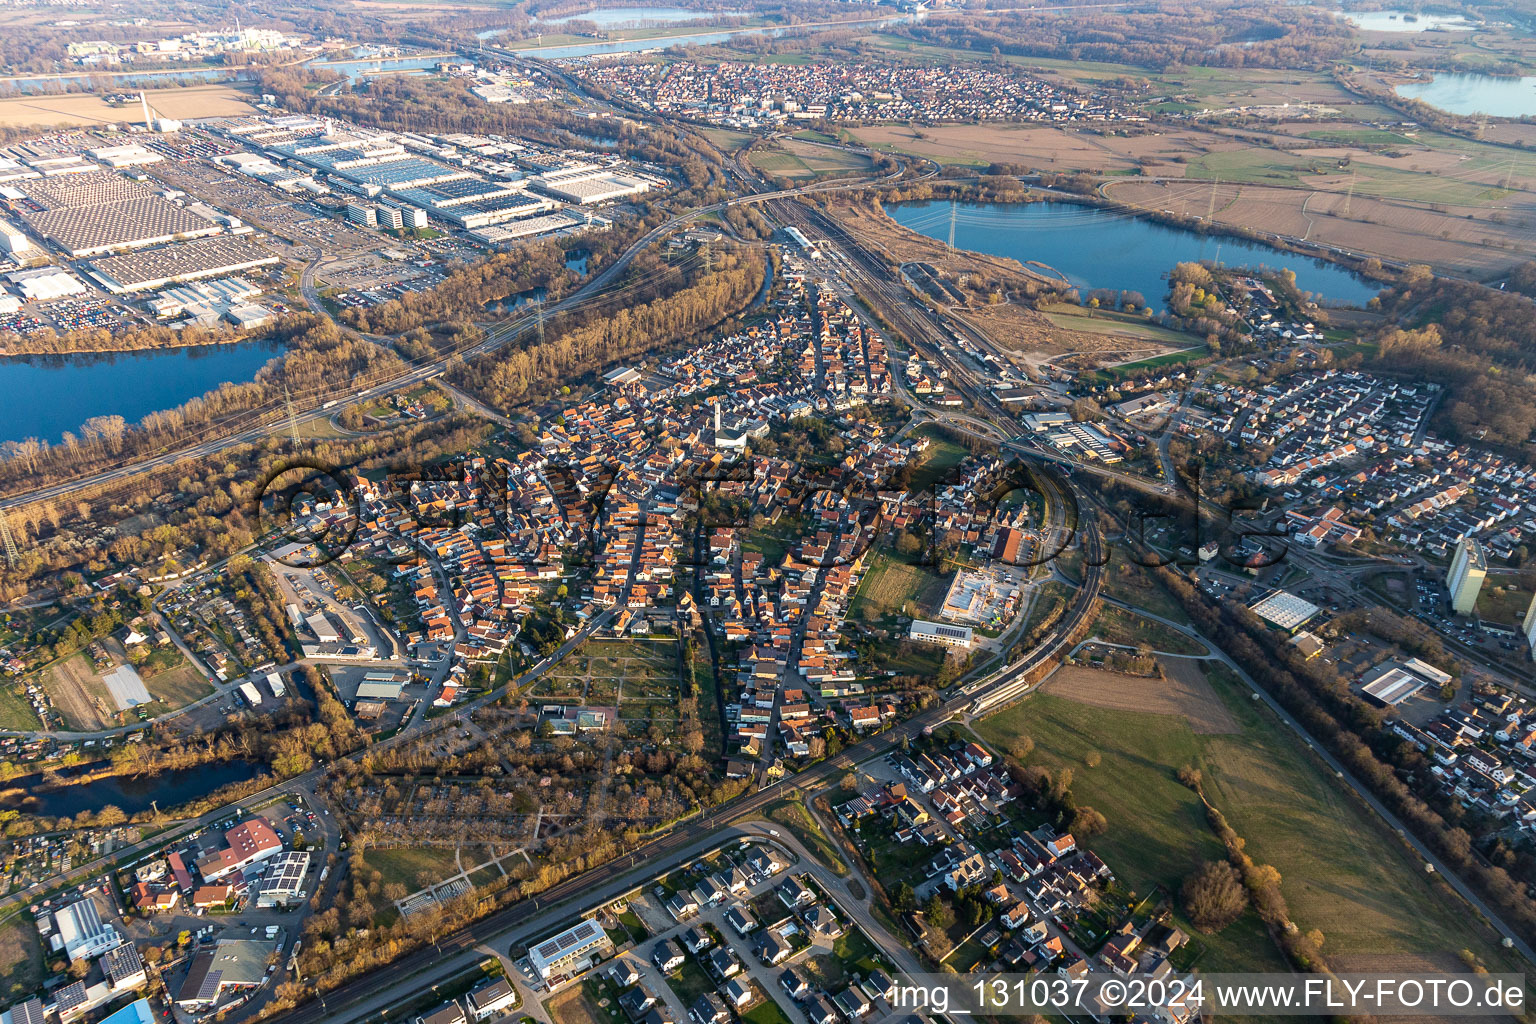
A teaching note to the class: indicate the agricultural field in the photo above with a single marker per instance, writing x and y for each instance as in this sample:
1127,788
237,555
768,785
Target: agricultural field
78,694
1121,325
1183,692
88,110
1343,870
1471,240
1046,148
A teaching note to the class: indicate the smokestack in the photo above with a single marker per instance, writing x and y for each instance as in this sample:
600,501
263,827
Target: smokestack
149,125
717,417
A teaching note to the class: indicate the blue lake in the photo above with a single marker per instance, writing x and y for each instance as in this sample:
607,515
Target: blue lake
1494,95
626,17
1096,248
1405,21
51,394
691,39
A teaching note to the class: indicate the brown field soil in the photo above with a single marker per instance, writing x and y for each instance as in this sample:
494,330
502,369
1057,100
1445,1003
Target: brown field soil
79,694
573,1007
1510,133
87,110
1184,692
1058,149
1420,965
1385,228
1010,326
178,686
21,958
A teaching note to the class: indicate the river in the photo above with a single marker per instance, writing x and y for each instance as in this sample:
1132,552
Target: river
52,394
1494,95
122,80
690,39
130,794
362,66
1096,248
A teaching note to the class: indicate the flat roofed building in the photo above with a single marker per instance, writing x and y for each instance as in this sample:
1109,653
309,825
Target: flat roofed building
941,633
71,1002
598,188
558,952
284,882
12,239
93,213
1284,610
1392,685
379,689
137,1012
1469,567
39,284
204,257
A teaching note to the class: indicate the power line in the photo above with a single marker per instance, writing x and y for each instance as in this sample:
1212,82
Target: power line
293,420
11,557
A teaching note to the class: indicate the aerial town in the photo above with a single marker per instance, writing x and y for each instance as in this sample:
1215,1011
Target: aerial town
833,514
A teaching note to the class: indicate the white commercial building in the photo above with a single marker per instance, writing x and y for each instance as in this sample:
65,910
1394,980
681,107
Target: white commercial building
320,625
941,633
40,284
284,882
12,239
563,953
80,932
358,213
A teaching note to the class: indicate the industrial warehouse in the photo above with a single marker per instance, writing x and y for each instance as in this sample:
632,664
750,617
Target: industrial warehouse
94,213
154,268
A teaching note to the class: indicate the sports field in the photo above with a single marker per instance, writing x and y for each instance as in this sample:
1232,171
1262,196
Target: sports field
792,158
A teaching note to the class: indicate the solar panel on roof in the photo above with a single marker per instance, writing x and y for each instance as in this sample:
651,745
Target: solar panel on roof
71,996
209,989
